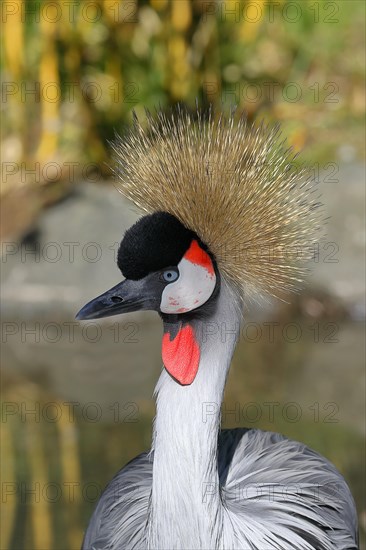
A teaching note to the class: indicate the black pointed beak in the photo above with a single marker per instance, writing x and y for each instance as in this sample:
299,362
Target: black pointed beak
123,298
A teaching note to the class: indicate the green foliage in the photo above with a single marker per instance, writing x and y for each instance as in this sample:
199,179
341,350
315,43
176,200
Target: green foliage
91,66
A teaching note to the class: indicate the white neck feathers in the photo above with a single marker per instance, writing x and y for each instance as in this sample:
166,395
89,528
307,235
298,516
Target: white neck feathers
185,476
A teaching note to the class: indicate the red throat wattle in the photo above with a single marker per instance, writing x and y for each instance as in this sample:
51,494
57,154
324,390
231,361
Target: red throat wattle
181,354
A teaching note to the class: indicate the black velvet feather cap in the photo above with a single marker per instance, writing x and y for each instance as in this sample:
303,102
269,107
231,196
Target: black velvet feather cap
154,242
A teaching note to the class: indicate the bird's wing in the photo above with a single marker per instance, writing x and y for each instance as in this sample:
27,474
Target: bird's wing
120,516
280,494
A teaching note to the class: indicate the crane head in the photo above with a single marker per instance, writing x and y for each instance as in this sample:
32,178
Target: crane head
169,270
166,268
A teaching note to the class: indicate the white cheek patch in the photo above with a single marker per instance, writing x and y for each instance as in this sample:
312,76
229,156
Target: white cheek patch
191,290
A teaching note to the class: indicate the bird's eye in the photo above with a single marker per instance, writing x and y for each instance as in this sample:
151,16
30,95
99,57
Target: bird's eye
170,275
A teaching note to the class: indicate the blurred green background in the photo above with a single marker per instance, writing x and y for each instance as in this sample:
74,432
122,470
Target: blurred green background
72,73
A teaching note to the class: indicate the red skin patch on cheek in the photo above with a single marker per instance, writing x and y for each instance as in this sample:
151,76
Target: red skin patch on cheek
181,355
196,255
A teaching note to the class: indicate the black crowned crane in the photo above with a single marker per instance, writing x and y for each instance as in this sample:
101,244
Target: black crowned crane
225,210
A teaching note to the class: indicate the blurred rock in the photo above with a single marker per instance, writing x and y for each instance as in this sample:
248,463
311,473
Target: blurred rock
341,266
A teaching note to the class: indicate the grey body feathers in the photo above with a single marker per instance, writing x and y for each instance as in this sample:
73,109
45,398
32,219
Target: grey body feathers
276,494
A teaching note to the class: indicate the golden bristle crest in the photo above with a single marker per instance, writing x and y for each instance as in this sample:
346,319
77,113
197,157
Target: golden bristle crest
235,185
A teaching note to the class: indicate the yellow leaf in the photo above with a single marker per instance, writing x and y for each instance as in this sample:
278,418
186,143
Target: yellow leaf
181,14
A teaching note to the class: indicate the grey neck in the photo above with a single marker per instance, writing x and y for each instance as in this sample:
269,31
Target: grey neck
185,473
